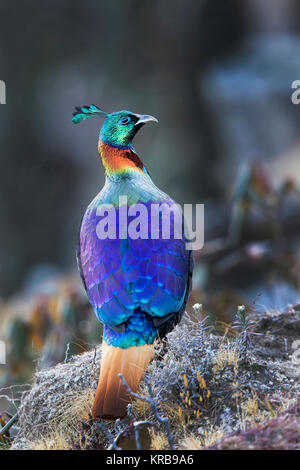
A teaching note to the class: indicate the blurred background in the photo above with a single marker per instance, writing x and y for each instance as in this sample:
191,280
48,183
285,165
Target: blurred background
218,77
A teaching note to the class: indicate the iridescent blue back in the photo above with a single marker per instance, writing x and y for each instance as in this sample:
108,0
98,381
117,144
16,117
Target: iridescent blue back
137,287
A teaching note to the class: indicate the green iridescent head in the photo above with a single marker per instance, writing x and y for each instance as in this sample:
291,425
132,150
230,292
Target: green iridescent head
119,128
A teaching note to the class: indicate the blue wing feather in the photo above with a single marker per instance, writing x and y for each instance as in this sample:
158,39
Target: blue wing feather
123,277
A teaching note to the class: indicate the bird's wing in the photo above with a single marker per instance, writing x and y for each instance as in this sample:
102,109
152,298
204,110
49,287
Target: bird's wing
167,322
121,275
78,257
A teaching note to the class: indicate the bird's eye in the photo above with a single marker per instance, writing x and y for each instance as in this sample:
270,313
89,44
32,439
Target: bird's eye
124,120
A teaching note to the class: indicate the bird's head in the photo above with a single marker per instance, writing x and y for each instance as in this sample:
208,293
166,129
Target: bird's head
119,128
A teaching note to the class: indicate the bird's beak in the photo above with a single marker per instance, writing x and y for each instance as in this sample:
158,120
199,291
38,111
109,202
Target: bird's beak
143,118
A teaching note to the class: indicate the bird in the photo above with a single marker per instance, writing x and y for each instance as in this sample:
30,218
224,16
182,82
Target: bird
137,285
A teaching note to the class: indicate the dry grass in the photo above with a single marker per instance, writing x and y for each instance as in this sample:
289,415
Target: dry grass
250,412
228,354
212,437
142,408
175,414
55,441
190,442
80,407
73,410
63,427
159,440
193,442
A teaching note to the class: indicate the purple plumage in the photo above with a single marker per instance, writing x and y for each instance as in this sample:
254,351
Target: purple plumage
133,281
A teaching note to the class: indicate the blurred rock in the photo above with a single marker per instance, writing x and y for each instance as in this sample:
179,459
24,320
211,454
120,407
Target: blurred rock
249,99
216,377
280,433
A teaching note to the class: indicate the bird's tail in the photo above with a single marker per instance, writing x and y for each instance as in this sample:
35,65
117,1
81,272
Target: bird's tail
111,397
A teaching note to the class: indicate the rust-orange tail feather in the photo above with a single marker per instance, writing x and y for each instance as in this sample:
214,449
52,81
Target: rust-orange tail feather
111,397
